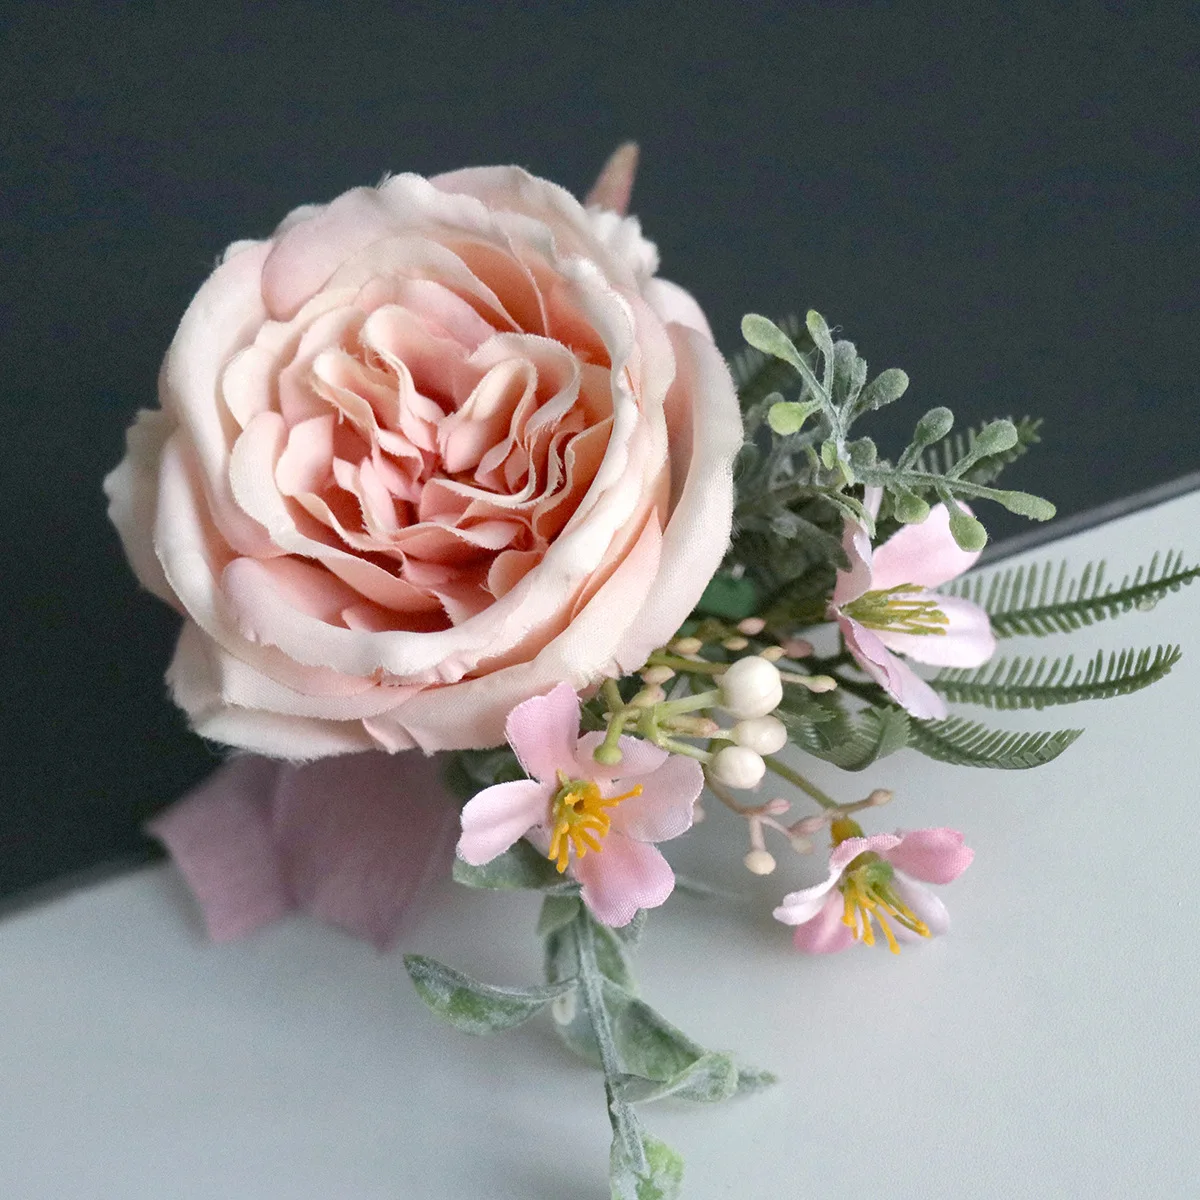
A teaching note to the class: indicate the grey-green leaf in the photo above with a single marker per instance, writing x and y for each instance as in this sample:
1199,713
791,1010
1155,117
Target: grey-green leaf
887,386
662,1179
710,1078
649,1045
476,1007
763,334
519,867
557,912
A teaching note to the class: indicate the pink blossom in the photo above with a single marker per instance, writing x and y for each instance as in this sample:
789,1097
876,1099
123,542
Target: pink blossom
874,879
588,818
882,605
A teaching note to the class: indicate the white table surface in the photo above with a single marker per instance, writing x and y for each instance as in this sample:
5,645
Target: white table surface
1047,1047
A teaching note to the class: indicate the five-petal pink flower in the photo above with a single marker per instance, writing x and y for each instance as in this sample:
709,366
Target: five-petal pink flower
912,560
875,879
598,822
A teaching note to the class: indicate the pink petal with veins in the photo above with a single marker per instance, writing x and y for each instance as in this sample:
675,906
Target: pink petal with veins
926,554
625,876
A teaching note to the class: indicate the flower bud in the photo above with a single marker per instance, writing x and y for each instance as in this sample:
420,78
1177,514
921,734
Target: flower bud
776,807
772,653
751,687
735,643
798,647
752,626
764,735
760,862
687,645
657,675
737,767
880,796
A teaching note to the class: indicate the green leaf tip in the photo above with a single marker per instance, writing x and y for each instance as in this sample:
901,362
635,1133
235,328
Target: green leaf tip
475,1007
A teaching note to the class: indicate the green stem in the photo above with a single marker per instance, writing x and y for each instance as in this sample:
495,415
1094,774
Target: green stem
687,665
671,708
625,1124
798,780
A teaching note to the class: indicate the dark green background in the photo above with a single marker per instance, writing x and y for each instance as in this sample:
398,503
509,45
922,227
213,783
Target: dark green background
1000,198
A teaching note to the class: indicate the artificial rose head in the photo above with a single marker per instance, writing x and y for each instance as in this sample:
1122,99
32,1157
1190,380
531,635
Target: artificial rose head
425,452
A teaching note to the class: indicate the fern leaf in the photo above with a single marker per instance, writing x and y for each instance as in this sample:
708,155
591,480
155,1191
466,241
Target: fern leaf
1038,683
940,458
1041,600
757,375
969,744
851,745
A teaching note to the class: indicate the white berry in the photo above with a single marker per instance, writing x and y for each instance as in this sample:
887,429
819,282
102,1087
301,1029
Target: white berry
764,735
751,687
737,767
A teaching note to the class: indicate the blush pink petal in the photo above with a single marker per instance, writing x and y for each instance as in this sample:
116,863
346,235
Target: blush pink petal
676,306
968,640
925,905
926,554
352,841
825,932
624,876
497,817
664,808
858,579
798,907
638,758
900,682
934,855
845,852
543,731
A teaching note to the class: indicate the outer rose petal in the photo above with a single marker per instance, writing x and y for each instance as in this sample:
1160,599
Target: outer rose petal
900,682
500,815
543,731
664,808
623,877
925,554
967,642
704,441
132,491
934,855
825,932
676,306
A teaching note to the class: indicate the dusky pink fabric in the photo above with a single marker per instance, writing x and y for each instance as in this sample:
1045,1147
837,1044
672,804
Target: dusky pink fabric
354,841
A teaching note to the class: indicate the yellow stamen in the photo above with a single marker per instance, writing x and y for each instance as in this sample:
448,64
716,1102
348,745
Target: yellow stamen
580,822
868,895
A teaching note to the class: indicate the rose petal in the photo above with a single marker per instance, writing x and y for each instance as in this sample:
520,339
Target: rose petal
614,184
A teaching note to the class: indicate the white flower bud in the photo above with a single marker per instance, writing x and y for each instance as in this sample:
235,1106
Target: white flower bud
760,862
751,687
771,653
657,675
752,626
737,767
735,643
764,735
687,645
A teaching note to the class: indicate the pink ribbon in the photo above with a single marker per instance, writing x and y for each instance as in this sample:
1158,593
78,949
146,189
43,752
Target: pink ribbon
354,841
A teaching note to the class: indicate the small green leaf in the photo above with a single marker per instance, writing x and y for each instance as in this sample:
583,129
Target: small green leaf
649,1045
476,1007
751,1080
1025,505
557,912
710,1078
763,334
729,598
662,1179
932,427
887,386
829,454
521,867
966,530
788,416
910,508
630,935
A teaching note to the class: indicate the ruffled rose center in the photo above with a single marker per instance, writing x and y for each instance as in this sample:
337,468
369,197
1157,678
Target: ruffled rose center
430,432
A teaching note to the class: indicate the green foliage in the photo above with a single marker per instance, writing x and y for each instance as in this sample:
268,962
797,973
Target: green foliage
757,375
941,457
1026,682
520,867
706,1079
730,597
476,1007
660,1176
1040,600
852,743
969,744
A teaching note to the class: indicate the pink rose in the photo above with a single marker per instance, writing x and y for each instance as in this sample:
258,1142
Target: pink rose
427,451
